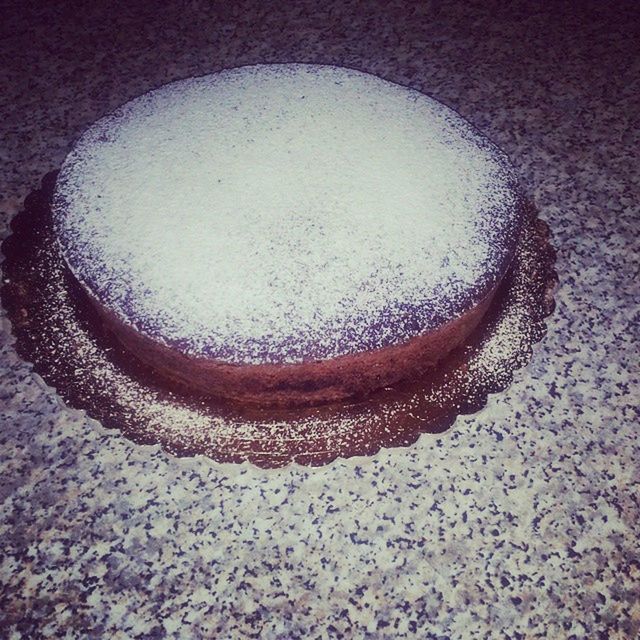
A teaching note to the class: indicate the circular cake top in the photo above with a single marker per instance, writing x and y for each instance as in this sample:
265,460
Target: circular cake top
285,213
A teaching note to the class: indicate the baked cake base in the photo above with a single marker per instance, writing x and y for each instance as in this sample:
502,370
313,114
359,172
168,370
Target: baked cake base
343,378
65,340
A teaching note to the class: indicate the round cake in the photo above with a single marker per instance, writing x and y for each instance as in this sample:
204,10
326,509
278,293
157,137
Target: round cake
287,234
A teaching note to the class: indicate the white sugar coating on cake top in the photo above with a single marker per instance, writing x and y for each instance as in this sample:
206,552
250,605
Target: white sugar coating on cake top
285,213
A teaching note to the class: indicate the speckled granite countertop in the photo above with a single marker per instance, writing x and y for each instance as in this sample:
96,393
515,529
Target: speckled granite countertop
520,522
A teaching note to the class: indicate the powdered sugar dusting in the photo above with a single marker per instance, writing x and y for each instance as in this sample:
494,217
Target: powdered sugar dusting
280,213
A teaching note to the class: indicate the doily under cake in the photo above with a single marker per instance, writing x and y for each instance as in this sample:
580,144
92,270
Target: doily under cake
58,332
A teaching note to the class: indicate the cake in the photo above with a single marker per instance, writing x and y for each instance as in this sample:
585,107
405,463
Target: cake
287,234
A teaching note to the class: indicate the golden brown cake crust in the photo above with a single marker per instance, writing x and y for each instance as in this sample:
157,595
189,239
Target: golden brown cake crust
299,384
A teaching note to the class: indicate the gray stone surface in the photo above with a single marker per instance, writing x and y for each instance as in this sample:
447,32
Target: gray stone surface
519,522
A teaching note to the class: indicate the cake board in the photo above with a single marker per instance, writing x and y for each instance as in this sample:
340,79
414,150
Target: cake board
56,329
